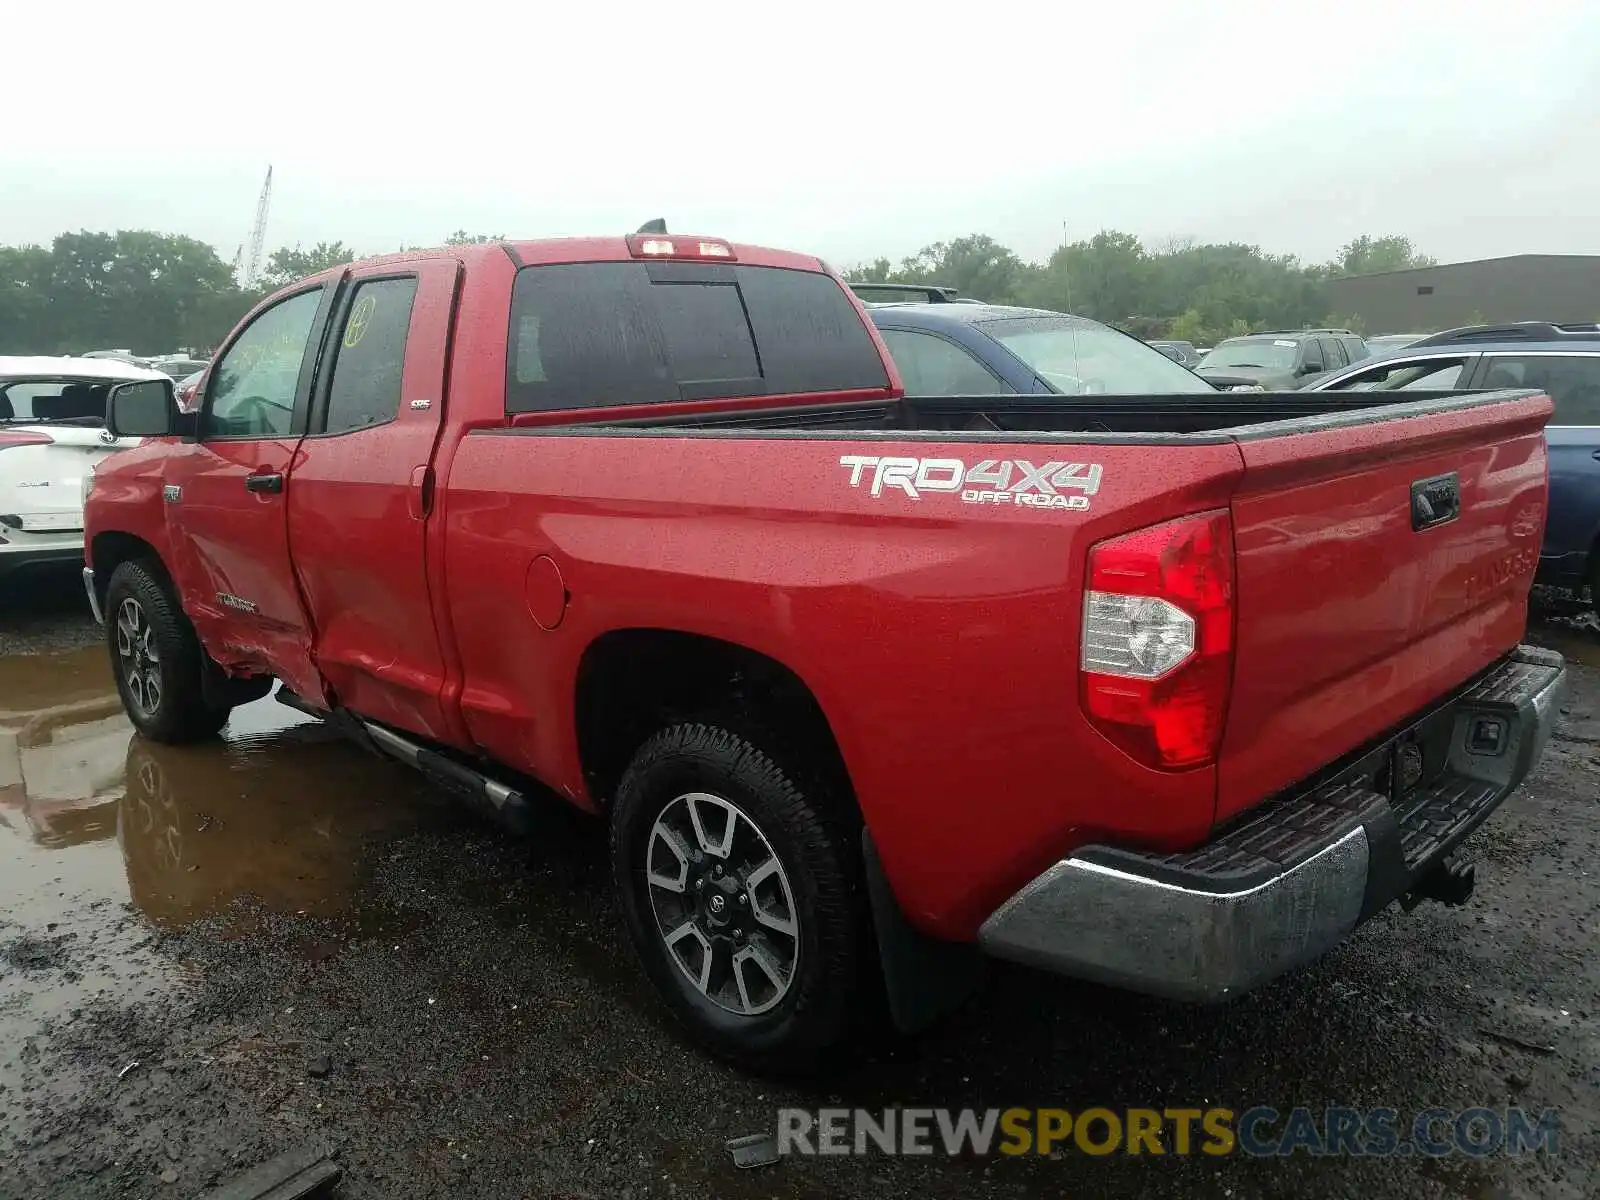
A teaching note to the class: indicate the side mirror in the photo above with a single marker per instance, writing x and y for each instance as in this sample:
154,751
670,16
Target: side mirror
148,408
1310,368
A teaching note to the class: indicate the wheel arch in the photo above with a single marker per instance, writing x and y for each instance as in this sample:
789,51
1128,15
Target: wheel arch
113,547
632,682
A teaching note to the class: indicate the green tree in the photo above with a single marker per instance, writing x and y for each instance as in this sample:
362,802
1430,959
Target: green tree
1107,277
287,264
462,238
151,292
28,315
879,270
1370,256
977,266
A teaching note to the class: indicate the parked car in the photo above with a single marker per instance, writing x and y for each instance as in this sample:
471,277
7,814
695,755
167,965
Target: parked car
1182,353
946,349
1280,360
186,390
862,683
52,433
1561,360
179,367
124,356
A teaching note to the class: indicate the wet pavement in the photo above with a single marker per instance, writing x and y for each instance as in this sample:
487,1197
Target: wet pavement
45,610
209,954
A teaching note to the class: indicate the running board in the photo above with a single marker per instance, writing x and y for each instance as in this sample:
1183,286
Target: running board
506,805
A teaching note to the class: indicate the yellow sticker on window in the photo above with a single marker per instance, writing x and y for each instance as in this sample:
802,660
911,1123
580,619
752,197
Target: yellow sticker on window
360,317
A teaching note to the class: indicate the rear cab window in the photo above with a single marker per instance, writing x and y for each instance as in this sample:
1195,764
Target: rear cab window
588,335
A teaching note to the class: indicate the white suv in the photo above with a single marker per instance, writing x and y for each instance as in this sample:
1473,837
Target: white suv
52,432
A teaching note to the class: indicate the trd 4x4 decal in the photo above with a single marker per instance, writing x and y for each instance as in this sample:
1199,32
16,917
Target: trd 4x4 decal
992,481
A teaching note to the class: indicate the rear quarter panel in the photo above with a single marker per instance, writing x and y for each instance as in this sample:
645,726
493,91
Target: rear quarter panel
939,637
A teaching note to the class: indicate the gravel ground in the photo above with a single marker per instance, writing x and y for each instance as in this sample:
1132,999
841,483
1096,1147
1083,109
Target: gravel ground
214,954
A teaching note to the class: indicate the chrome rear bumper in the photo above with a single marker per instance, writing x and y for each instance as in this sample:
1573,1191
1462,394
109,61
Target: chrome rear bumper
1293,877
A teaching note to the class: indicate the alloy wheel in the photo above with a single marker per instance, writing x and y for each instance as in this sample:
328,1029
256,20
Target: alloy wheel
138,657
723,904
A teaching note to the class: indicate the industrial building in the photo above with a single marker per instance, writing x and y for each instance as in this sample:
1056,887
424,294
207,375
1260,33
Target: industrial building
1522,287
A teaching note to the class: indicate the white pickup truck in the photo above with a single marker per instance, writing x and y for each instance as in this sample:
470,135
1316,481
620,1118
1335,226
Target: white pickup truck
52,432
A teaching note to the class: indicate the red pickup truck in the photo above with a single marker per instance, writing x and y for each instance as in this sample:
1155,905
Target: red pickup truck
1168,692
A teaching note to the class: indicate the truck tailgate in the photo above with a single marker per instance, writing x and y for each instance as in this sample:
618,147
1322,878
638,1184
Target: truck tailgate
1359,603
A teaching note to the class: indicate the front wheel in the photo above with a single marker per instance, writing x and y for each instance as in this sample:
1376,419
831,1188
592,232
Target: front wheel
741,895
157,659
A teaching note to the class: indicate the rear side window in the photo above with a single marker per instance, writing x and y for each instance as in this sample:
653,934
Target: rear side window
1428,375
585,335
1572,382
370,355
931,366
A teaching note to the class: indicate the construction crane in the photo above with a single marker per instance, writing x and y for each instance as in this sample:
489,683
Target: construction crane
258,234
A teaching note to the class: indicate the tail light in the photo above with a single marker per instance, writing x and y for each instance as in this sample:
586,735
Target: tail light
1157,650
24,438
661,245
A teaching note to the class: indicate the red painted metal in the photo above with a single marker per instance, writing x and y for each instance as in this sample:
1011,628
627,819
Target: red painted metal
1348,620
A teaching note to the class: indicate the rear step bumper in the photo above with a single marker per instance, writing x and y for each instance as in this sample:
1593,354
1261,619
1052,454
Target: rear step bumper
1294,876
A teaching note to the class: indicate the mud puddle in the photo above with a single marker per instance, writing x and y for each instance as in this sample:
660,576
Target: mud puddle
107,839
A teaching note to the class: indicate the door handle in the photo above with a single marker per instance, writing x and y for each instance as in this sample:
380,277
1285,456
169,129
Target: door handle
263,483
1595,455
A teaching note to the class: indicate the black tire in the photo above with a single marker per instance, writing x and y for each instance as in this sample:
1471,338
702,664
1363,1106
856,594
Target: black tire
163,692
817,850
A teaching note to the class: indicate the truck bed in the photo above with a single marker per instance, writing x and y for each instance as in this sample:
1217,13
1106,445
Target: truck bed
1226,415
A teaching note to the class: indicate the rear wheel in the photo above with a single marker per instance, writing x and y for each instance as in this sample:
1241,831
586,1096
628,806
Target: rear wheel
156,658
741,895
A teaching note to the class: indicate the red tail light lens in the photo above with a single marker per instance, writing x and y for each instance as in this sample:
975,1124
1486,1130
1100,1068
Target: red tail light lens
1157,646
8,440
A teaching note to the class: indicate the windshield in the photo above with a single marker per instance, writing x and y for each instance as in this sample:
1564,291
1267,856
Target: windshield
1269,354
1079,358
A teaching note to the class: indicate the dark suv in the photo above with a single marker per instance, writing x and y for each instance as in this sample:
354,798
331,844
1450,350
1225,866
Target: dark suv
1280,360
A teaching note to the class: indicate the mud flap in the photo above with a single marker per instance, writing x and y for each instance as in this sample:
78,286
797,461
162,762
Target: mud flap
925,978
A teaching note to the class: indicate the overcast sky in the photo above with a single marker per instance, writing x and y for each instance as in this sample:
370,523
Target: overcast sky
844,129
